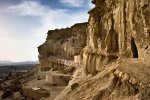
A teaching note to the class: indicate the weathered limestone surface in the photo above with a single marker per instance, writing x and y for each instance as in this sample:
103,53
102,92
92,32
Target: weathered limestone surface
116,29
62,43
125,80
57,79
115,52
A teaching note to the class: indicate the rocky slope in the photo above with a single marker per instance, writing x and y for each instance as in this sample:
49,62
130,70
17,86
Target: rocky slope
114,58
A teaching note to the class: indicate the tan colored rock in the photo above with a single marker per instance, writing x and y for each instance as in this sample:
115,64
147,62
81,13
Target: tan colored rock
77,59
62,43
57,79
35,94
115,29
125,77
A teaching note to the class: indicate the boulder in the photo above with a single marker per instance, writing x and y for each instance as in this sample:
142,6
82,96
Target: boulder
57,79
7,93
35,94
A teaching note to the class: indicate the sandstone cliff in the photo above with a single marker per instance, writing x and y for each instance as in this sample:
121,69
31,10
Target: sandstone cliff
115,63
117,29
62,45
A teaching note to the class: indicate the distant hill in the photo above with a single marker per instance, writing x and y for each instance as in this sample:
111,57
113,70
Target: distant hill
7,63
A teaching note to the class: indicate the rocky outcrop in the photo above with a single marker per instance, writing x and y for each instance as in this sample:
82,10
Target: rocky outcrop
115,60
116,29
62,44
57,79
124,80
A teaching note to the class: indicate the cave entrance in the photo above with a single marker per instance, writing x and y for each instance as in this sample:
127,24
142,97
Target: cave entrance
134,48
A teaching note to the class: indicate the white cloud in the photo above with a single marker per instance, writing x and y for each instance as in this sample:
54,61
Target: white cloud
50,18
31,8
15,48
73,3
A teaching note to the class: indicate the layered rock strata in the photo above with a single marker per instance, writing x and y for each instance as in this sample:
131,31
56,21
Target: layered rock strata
124,80
62,44
116,29
115,60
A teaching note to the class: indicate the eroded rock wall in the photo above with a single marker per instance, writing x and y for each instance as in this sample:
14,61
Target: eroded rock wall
116,29
116,51
62,44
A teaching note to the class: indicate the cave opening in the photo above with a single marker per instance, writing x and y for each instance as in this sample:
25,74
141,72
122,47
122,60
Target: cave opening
134,48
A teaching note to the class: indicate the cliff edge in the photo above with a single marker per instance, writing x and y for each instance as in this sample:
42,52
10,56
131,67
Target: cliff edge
109,54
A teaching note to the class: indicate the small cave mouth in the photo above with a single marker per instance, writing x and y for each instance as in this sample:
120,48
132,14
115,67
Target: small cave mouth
134,48
146,47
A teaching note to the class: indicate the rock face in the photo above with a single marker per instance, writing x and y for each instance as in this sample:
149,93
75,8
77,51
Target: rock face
114,57
62,44
116,29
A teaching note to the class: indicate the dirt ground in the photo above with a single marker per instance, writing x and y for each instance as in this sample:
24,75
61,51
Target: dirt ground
53,90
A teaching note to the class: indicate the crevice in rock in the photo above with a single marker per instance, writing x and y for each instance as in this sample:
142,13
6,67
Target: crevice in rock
146,47
134,48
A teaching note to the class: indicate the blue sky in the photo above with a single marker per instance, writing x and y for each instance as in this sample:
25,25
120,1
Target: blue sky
24,24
